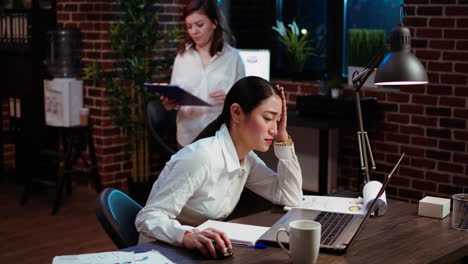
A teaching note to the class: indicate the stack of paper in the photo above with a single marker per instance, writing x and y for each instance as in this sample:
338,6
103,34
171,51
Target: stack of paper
149,257
237,233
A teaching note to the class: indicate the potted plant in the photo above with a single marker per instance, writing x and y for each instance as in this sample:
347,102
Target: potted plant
133,42
363,44
297,45
335,86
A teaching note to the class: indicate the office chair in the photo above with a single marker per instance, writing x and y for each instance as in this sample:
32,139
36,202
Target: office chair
162,127
116,213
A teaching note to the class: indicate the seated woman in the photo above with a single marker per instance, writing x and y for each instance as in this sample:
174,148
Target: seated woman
205,179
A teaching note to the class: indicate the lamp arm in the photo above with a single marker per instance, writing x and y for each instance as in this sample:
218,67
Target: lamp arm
361,78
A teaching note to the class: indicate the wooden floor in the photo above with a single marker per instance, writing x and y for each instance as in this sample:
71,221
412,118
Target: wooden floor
30,234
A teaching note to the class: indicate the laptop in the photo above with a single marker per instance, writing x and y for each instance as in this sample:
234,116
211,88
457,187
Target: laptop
256,62
338,229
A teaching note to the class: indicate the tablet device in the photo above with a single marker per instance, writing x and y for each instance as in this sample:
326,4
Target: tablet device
181,96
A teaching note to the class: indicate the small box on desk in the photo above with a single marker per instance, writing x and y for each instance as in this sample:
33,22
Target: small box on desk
434,207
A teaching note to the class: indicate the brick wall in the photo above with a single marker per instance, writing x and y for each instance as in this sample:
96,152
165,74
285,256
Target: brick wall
95,19
428,122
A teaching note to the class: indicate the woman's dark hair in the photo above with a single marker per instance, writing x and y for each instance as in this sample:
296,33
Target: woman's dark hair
248,92
211,10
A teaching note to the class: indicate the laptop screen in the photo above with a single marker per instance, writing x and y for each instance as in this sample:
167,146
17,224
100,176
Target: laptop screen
256,62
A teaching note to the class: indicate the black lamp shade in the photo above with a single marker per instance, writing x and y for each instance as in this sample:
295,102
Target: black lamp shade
400,68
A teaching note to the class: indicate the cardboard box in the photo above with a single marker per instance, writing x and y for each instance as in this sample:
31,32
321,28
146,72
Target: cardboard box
434,207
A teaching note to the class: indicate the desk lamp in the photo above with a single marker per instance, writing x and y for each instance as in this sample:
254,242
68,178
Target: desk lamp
398,67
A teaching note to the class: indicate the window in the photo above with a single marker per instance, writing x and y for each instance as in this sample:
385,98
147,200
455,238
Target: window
368,14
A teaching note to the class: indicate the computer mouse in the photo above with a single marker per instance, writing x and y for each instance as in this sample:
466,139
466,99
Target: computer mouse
219,252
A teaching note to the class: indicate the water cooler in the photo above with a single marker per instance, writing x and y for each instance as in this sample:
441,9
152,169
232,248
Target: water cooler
63,95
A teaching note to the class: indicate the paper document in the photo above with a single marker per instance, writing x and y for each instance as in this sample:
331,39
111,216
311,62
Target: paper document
332,204
237,233
181,96
114,257
346,205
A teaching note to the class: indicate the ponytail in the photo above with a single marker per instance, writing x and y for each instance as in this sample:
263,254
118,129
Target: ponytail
211,128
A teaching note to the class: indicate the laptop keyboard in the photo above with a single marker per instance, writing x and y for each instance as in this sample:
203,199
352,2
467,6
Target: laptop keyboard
332,226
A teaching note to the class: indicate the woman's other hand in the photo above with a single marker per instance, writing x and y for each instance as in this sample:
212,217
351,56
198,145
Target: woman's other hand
203,241
169,104
282,135
218,97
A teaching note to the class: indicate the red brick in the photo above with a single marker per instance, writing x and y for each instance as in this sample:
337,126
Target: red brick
461,67
427,142
291,88
411,172
412,89
398,118
455,56
461,158
438,111
424,99
385,147
448,189
442,22
462,45
461,91
419,43
450,167
452,145
411,109
442,44
453,79
398,97
433,77
413,151
455,34
402,139
63,17
440,66
424,120
429,11
462,22
452,123
456,11
439,133
425,186
439,89
437,177
308,89
423,163
428,54
460,135
416,22
460,113
400,181
452,101
429,33
412,130
461,181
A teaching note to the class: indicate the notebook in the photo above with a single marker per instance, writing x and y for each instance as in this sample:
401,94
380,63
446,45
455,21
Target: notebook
237,233
338,229
181,96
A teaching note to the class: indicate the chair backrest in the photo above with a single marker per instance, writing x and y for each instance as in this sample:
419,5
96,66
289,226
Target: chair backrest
161,125
117,212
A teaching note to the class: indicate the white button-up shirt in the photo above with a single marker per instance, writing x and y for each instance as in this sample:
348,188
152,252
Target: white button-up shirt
204,181
224,69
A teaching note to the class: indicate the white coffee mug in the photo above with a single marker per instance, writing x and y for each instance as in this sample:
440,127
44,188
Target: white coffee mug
304,241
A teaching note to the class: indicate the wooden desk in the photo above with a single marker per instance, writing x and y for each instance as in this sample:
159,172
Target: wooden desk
400,236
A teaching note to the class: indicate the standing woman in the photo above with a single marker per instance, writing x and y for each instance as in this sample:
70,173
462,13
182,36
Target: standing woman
205,65
205,179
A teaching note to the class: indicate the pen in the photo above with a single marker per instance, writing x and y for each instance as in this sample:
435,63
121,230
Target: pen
251,245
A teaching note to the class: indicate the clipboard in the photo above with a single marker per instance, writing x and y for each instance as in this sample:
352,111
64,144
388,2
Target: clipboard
181,96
